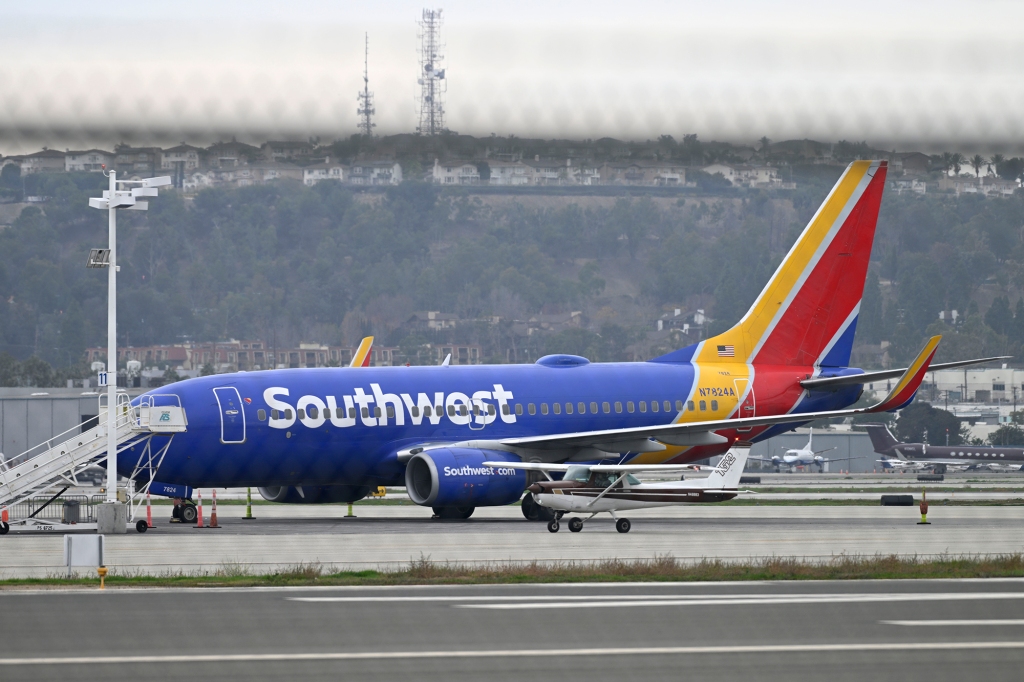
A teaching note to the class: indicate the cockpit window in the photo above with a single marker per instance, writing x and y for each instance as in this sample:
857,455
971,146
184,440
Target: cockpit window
580,474
632,480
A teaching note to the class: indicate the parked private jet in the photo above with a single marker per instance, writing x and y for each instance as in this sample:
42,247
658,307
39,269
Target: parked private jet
804,456
942,458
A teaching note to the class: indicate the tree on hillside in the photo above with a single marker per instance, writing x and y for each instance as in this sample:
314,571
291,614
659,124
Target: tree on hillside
921,421
977,161
957,161
993,164
999,316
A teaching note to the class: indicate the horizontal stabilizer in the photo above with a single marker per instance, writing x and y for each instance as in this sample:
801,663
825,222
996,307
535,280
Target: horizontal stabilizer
819,383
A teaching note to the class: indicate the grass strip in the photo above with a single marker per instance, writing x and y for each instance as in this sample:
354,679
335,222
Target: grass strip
657,569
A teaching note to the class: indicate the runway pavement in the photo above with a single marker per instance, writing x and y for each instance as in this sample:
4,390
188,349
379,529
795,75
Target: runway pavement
394,536
833,630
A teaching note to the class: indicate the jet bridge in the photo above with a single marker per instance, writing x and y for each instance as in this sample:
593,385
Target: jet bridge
59,460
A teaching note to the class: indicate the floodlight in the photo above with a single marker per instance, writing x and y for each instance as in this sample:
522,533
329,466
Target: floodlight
145,191
139,206
162,181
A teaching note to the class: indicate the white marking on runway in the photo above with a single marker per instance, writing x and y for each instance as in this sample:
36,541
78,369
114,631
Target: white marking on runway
753,599
509,653
477,597
938,623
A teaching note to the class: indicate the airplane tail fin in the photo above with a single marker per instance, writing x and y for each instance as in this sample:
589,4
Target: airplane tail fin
807,313
729,470
882,439
361,358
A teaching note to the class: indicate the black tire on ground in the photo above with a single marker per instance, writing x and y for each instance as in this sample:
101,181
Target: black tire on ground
453,512
575,524
4,528
553,525
622,525
531,510
189,514
141,525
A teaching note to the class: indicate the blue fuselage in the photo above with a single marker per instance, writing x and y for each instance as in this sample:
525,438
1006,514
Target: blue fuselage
335,426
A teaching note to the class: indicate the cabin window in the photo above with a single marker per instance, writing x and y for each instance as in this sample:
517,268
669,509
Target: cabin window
377,412
274,414
313,411
689,405
714,406
643,405
302,413
464,410
288,413
557,408
351,413
618,407
391,411
366,413
606,408
519,409
703,406
630,407
543,408
655,406
451,410
582,407
339,412
593,408
668,406
532,408
505,410
568,408
415,411
490,410
261,415
679,406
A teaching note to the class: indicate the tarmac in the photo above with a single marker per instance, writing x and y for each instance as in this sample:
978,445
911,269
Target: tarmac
830,630
393,536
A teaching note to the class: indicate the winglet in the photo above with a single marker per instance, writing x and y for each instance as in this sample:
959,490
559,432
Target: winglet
905,389
361,358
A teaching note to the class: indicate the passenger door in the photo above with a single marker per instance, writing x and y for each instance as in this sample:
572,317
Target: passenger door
232,416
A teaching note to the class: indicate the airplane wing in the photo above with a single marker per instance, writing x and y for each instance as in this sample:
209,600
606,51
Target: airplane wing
870,377
361,358
611,468
818,452
692,433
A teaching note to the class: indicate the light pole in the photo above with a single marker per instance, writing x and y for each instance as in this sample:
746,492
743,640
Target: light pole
113,199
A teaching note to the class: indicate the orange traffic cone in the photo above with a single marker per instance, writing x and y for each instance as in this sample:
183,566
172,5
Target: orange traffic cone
199,508
213,514
3,515
149,511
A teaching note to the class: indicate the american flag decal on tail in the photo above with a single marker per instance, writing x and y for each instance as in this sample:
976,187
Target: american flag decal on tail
727,351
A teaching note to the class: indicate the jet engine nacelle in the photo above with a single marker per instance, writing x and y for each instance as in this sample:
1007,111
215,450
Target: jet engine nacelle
314,494
456,477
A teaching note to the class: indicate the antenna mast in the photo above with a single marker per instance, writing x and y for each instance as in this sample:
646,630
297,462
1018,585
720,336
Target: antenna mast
432,81
366,110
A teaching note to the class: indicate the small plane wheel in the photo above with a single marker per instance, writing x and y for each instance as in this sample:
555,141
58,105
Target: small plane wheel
553,525
575,524
189,514
622,525
4,528
141,525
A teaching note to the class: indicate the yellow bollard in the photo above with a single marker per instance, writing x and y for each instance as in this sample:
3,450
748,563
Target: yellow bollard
102,570
248,505
924,509
350,515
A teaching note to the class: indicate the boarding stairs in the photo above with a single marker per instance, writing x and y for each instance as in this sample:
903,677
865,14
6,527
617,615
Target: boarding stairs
60,459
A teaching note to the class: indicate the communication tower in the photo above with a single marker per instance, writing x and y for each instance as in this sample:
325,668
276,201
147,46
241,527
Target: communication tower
366,110
432,81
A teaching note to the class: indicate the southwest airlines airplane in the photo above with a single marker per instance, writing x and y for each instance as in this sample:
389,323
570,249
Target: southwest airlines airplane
334,434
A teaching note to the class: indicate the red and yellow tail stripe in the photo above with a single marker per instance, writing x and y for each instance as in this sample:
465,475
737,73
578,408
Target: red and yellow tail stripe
361,358
903,392
816,291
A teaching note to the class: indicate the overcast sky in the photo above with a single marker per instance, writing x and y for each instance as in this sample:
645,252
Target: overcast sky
917,74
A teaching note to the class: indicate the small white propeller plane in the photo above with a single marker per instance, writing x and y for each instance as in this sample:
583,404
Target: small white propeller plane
804,456
597,488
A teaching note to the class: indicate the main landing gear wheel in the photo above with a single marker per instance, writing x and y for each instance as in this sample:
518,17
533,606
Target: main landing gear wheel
553,525
141,525
453,512
575,524
535,512
189,513
622,525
